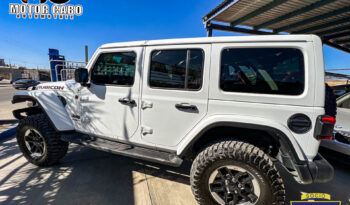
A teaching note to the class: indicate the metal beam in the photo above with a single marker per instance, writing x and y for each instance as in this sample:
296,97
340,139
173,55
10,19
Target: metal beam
333,30
337,46
219,9
258,11
209,32
313,19
338,35
235,29
342,41
326,25
338,69
294,13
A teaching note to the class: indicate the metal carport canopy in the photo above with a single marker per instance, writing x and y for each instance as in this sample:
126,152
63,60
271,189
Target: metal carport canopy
329,19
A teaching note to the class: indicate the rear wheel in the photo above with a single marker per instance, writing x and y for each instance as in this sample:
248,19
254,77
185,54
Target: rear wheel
233,172
39,142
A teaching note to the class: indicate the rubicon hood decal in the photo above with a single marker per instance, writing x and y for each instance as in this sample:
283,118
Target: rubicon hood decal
50,87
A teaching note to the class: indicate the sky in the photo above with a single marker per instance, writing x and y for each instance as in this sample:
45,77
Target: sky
25,42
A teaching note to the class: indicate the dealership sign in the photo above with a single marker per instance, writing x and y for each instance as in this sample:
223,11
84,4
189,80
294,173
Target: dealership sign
315,199
40,9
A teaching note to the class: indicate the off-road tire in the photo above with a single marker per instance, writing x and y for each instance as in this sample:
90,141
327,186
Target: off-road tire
240,154
56,149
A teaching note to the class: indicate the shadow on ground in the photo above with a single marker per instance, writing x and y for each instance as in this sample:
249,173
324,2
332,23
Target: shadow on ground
87,176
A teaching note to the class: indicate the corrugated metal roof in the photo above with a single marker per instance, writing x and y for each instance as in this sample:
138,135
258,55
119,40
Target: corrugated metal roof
330,19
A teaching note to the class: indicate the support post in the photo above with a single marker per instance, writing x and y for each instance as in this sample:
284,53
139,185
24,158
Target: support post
86,54
209,32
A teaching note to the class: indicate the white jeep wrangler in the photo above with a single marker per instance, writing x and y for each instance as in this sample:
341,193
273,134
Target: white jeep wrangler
233,105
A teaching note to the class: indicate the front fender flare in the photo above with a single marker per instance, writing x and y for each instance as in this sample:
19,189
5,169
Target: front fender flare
278,131
49,102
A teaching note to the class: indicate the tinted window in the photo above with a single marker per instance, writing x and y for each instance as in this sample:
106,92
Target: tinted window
262,70
345,102
23,81
180,69
114,68
195,69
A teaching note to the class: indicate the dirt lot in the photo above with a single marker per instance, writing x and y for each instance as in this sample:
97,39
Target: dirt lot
87,176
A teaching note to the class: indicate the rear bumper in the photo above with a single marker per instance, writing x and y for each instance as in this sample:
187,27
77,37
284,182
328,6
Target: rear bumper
317,171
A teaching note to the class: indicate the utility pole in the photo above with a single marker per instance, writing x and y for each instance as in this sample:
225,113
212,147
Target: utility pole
86,54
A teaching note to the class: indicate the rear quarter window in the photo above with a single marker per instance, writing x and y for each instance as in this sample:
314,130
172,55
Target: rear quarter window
263,70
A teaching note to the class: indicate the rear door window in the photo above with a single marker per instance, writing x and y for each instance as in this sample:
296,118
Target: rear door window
262,70
177,69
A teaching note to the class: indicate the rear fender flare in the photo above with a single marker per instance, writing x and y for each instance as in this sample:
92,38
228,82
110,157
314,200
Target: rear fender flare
278,131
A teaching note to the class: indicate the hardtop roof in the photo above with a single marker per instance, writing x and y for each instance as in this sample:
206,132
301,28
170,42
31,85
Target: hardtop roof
209,40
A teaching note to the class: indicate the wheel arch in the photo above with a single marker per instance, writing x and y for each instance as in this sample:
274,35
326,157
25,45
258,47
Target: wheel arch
48,103
280,138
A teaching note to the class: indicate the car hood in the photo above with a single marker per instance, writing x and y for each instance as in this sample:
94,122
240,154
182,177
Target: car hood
58,86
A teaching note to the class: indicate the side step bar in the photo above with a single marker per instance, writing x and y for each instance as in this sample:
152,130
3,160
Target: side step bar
119,148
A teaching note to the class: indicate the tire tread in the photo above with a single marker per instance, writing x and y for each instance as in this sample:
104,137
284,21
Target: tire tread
240,151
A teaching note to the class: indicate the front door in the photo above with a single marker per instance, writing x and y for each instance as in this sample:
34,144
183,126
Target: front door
109,106
174,93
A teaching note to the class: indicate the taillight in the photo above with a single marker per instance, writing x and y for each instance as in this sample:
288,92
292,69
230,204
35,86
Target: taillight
325,137
328,119
324,127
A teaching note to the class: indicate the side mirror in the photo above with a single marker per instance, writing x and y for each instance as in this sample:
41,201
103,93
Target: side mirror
81,76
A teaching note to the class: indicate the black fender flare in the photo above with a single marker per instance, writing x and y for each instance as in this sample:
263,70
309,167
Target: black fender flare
286,145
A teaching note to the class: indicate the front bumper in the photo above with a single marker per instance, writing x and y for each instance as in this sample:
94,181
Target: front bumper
317,171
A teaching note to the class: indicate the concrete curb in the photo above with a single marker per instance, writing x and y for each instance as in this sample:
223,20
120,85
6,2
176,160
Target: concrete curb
8,132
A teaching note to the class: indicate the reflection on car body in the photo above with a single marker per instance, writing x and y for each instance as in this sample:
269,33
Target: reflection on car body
341,143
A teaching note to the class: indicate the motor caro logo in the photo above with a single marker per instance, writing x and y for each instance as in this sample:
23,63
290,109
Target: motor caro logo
40,9
53,1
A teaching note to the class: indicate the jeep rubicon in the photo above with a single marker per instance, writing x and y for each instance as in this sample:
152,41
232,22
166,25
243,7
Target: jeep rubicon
232,105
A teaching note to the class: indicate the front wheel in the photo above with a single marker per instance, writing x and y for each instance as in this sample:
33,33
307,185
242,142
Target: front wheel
39,142
233,172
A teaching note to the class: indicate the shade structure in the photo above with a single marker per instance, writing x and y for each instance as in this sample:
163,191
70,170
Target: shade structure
329,19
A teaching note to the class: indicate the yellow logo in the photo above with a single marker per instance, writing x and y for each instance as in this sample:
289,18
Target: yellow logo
315,196
315,199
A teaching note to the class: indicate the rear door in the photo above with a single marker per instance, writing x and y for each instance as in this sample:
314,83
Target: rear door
175,91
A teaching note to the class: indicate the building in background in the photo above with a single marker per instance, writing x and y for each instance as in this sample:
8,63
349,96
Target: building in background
334,79
2,62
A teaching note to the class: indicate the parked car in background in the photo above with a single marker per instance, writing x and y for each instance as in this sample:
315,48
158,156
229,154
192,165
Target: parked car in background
341,143
25,84
15,79
340,90
1,78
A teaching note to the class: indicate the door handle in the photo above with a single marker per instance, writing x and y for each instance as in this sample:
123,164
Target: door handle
127,101
146,104
185,106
